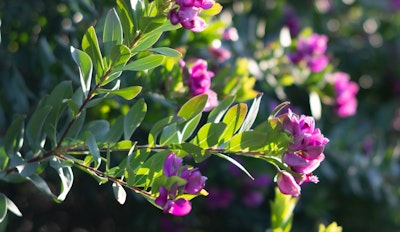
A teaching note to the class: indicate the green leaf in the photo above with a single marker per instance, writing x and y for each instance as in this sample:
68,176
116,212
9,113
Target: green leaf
197,152
56,100
158,127
85,66
116,131
4,159
41,185
251,116
112,33
193,107
120,54
187,128
148,62
34,130
167,51
126,18
14,138
134,118
233,120
93,149
282,211
119,193
3,207
146,41
128,93
333,227
136,158
99,128
170,135
234,162
247,141
219,111
90,45
209,135
66,176
214,10
277,109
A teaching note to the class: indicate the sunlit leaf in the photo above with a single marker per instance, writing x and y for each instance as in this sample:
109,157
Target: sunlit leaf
125,14
158,127
119,193
12,207
146,41
148,62
188,127
209,135
247,141
13,140
90,45
85,66
234,162
214,10
233,119
252,114
66,176
170,134
166,51
218,112
193,107
112,33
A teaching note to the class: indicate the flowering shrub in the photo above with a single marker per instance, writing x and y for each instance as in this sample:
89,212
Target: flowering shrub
184,105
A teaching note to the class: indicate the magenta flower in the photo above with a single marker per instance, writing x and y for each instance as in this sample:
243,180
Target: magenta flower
287,184
304,154
171,165
199,82
345,94
169,199
310,50
195,181
230,34
187,14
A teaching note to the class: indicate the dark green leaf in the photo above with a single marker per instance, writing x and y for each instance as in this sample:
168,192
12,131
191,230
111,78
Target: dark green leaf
126,18
167,51
41,185
219,111
90,45
146,41
34,130
85,65
14,137
66,176
99,128
4,159
134,118
112,33
158,127
93,149
116,131
148,62
193,107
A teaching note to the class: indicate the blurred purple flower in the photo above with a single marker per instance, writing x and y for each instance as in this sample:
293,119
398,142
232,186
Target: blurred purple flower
230,34
220,53
345,94
291,20
394,4
219,198
253,198
171,165
310,50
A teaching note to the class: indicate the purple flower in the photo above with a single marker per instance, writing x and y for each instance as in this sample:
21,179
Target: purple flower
305,152
287,184
345,94
187,14
195,181
212,100
219,198
310,50
171,165
291,20
253,198
178,207
230,34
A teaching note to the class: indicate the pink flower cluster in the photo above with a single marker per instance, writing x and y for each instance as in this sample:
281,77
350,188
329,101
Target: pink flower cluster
169,199
199,82
304,154
187,14
345,94
310,50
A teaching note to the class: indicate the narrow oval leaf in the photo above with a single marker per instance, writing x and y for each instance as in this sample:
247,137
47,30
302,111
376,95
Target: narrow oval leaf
251,116
144,63
93,149
187,128
234,119
14,137
124,13
66,176
34,128
146,41
247,141
116,131
128,93
3,207
167,51
119,193
12,207
41,185
170,135
134,118
85,66
112,34
158,127
193,107
90,45
234,162
209,135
